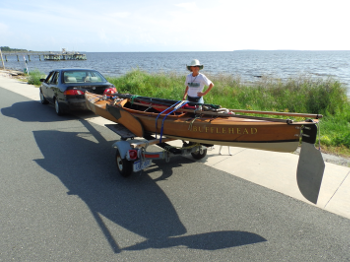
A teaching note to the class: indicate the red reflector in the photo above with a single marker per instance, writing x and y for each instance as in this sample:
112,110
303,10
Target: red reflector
133,154
152,156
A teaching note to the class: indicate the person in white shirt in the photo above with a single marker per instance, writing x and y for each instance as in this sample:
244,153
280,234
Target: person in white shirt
195,83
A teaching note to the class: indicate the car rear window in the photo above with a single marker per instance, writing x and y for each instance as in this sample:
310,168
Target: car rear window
83,77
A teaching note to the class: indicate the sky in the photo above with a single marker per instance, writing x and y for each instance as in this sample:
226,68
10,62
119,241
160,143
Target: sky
165,25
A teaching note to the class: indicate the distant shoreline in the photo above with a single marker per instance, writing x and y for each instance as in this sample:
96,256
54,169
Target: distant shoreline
184,51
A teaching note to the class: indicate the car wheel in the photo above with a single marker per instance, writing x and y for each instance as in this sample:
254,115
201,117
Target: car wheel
58,109
124,166
42,98
199,154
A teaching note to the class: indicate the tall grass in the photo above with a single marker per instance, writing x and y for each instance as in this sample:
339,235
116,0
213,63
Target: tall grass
34,77
155,85
300,94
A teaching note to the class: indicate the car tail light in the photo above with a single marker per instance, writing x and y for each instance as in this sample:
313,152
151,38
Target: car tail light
110,91
73,92
132,154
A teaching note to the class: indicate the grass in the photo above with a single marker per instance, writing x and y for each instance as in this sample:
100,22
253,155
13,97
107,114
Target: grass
301,94
34,77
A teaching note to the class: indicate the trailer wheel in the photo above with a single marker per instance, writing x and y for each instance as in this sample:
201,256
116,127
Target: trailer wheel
124,166
199,154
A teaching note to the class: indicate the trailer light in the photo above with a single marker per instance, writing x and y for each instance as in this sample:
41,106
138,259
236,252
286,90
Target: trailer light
156,156
132,154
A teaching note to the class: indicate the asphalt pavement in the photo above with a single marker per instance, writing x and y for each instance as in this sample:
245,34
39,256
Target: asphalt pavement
64,202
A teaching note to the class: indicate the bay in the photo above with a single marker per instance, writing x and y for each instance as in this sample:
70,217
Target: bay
250,65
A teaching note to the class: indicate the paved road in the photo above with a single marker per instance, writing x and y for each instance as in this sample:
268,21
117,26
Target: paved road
62,200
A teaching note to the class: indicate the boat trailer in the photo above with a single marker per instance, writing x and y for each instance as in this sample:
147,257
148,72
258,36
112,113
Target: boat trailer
131,155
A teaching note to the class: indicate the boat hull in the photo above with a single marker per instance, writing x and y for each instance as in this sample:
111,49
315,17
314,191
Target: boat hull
227,131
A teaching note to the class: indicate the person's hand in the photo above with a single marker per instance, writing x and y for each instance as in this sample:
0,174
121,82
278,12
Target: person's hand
200,94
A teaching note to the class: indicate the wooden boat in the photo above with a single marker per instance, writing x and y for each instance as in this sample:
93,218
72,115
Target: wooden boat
212,125
143,115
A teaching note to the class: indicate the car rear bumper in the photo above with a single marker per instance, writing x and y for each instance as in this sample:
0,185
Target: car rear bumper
77,104
73,104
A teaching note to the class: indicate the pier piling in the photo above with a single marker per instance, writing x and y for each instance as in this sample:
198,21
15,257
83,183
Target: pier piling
2,60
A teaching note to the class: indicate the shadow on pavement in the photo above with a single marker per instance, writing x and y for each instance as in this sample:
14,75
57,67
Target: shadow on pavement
84,163
34,111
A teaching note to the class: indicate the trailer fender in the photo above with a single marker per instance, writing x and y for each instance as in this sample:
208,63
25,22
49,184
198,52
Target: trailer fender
122,147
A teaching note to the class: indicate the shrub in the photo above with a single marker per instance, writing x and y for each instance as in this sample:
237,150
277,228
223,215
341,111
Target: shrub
34,77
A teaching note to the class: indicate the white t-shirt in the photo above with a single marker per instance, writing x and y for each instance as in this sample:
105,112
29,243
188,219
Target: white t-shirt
196,84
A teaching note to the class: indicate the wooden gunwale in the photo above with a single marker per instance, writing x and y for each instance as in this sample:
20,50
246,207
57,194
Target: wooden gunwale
210,113
203,112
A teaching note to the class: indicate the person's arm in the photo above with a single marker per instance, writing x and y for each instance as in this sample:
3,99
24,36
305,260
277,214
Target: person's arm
206,91
185,94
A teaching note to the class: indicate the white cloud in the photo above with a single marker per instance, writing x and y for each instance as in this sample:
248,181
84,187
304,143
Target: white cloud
188,6
4,29
180,26
120,14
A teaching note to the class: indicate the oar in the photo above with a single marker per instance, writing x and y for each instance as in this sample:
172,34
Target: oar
211,113
277,113
159,100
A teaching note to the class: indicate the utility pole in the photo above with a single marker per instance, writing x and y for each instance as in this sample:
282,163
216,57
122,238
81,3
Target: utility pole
2,60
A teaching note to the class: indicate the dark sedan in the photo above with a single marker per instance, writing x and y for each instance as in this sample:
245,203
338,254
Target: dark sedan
65,88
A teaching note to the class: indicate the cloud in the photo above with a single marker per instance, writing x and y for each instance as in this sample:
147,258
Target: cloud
120,14
188,6
4,29
174,25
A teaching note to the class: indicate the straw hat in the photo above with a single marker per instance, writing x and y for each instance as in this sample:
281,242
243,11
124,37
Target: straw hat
194,62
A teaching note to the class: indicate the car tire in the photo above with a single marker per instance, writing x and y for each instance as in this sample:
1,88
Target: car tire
123,165
42,98
58,109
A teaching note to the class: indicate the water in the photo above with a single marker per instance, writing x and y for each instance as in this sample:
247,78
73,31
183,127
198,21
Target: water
248,64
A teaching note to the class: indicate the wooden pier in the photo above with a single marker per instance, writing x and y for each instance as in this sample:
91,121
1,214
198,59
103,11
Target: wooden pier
65,56
50,56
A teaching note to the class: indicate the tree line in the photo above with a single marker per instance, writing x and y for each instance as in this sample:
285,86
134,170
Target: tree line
9,49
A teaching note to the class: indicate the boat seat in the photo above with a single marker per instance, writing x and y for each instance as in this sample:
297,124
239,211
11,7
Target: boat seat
71,79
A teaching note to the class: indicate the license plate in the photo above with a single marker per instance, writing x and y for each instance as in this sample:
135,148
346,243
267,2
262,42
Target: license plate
138,166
